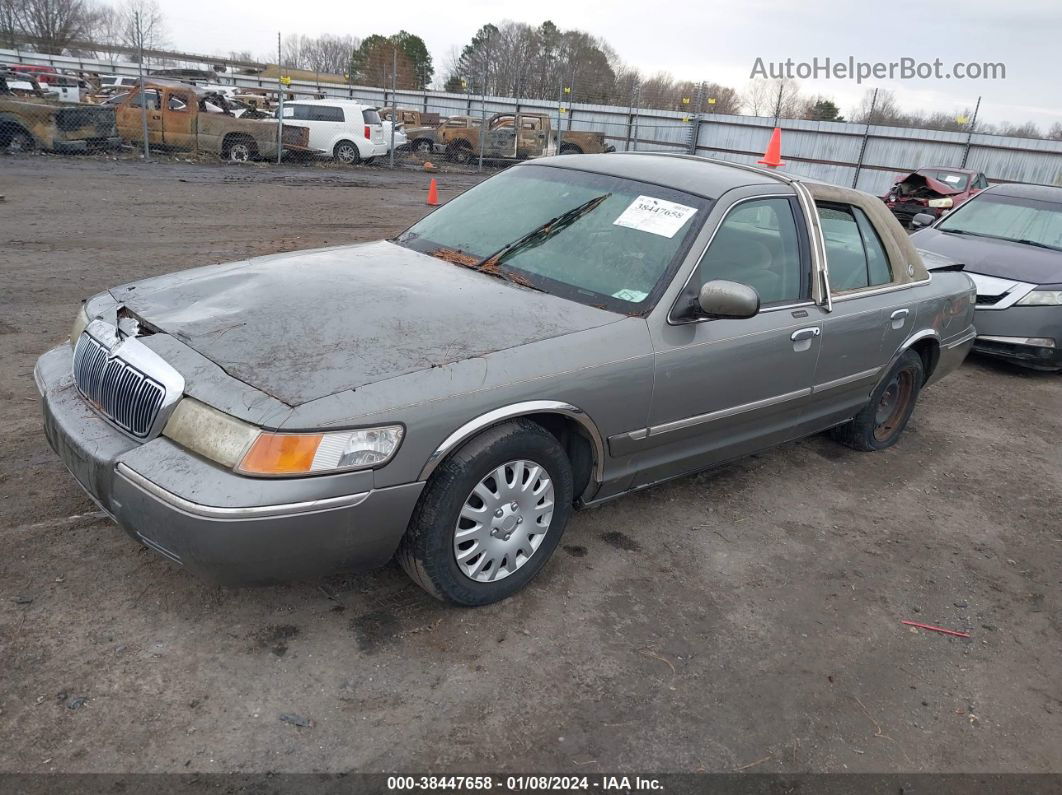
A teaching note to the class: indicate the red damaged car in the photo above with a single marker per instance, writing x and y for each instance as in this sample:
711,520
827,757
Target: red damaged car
932,190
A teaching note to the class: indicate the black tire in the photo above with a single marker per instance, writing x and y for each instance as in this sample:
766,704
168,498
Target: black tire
239,149
885,416
427,551
346,153
18,140
460,153
570,149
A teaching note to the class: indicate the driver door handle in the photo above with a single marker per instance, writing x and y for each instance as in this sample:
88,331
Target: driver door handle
805,333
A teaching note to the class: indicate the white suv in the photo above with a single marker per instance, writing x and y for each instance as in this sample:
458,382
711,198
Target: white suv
348,131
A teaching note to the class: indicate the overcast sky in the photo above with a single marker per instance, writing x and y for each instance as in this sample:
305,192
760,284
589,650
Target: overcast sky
696,40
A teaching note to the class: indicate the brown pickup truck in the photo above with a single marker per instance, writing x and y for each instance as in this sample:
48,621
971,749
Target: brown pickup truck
518,136
419,127
30,120
183,116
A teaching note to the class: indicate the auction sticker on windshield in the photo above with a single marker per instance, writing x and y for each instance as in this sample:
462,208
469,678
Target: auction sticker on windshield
656,216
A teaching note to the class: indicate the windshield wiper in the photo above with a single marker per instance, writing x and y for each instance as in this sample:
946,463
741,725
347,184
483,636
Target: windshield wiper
1025,241
540,234
1037,243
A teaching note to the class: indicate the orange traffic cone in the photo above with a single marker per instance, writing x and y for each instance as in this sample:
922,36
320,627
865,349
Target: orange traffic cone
433,194
773,156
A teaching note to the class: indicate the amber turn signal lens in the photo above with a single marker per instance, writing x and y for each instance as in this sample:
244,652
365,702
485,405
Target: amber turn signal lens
281,454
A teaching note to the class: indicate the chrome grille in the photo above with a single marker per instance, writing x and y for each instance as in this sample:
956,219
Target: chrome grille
121,392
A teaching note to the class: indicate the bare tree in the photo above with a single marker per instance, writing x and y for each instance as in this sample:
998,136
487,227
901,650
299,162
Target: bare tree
151,34
778,97
52,24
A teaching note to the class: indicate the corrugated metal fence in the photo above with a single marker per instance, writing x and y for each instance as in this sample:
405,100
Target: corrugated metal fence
842,153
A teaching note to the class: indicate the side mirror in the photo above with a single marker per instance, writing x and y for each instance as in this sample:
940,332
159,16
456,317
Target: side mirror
721,298
922,220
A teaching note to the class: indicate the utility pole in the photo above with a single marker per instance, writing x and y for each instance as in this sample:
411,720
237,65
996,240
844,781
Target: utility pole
394,102
280,103
143,93
483,108
866,137
969,135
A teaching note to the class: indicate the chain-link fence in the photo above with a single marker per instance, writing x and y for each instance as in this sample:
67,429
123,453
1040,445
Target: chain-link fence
234,115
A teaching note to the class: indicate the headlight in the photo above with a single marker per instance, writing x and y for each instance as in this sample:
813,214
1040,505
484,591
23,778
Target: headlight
1042,298
252,451
80,323
940,203
315,453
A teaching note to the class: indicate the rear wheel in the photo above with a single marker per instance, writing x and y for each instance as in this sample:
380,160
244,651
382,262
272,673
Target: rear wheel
885,416
239,149
346,153
490,516
570,149
421,146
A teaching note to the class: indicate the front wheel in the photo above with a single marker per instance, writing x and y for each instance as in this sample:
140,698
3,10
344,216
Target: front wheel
21,141
490,516
885,416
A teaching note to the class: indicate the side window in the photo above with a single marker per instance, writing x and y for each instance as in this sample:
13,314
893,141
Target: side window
844,248
757,245
878,269
153,100
297,112
855,255
323,113
177,102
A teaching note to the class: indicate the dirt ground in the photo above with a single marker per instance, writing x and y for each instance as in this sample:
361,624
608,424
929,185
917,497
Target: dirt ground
743,620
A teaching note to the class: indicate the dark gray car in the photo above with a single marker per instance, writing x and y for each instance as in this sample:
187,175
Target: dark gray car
565,332
1010,239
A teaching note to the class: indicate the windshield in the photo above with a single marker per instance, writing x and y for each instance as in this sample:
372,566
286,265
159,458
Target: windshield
1030,221
599,240
949,178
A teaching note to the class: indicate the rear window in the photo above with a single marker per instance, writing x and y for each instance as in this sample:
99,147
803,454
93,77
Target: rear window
370,116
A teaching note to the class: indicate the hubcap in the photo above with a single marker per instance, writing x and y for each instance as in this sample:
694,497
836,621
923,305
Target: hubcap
503,521
893,405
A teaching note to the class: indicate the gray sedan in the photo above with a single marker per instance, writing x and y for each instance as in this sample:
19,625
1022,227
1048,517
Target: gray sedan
1010,239
564,333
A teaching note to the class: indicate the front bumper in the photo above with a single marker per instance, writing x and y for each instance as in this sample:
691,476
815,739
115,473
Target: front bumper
241,539
1002,333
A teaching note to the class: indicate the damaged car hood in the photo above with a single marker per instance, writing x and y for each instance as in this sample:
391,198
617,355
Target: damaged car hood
309,324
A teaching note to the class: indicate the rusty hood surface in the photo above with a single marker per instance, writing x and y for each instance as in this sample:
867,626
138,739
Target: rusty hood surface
309,324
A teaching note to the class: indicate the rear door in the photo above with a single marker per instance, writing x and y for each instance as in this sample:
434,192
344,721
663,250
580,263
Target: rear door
179,112
868,321
500,139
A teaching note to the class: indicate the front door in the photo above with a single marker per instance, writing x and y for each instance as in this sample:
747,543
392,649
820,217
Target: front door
129,117
728,387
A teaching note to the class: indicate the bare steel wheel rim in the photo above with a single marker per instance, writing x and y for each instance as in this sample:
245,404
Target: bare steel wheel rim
240,152
503,521
892,406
